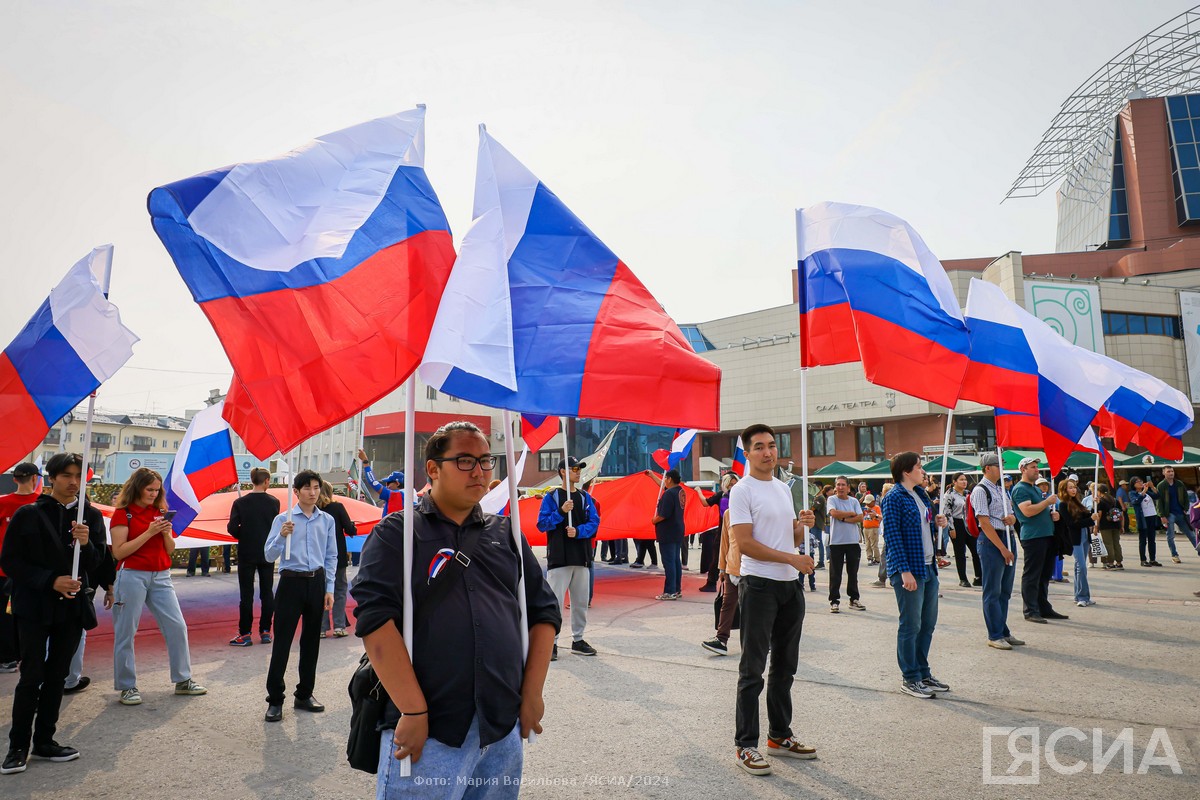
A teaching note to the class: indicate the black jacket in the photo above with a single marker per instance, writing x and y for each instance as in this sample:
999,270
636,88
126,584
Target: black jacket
37,551
250,520
343,526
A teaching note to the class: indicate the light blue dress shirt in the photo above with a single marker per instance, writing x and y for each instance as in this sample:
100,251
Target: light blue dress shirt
313,544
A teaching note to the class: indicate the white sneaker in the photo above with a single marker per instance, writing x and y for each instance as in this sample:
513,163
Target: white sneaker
131,697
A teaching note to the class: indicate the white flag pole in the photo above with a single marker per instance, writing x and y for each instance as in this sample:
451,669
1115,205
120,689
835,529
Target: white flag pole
410,449
87,455
804,447
567,464
1008,542
943,489
287,542
514,518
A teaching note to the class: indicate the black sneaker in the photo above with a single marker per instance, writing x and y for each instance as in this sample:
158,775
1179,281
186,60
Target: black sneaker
934,685
582,648
15,761
716,646
916,689
977,582
554,653
84,682
53,751
964,584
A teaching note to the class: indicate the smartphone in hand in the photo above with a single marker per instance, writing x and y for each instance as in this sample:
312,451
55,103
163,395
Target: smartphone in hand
169,514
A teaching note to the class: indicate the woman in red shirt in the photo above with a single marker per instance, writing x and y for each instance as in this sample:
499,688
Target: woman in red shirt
142,541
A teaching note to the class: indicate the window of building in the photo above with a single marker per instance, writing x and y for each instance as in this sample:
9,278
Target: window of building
1119,323
706,446
176,444
696,339
67,438
430,393
547,461
1118,213
820,443
1183,114
977,431
870,443
784,442
732,445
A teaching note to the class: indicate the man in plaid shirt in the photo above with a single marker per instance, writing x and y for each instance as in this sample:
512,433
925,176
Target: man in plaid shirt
909,530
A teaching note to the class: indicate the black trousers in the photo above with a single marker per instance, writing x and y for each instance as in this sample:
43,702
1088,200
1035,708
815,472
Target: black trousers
848,555
1035,578
710,542
266,596
645,546
964,541
772,617
297,600
46,652
10,650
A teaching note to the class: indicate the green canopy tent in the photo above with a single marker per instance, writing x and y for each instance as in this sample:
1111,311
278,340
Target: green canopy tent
1013,458
851,469
965,464
1191,458
1088,460
882,470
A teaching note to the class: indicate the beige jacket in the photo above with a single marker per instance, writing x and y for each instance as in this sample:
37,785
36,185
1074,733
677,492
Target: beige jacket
730,559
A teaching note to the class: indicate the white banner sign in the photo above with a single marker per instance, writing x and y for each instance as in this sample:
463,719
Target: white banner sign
1189,305
1071,309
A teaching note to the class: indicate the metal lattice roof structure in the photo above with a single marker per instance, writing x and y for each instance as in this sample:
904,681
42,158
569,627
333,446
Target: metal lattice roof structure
1165,61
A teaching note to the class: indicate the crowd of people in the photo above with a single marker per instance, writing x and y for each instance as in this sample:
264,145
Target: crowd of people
454,715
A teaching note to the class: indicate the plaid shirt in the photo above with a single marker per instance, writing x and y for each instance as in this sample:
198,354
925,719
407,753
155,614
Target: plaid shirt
903,526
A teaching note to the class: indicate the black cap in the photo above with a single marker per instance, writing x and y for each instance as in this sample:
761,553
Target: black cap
25,470
575,462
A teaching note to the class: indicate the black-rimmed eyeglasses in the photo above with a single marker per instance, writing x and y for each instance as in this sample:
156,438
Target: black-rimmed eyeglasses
467,463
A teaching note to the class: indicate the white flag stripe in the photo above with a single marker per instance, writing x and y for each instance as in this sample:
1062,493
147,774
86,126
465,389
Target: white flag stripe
89,323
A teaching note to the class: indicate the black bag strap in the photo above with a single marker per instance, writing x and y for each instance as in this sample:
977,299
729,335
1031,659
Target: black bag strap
445,581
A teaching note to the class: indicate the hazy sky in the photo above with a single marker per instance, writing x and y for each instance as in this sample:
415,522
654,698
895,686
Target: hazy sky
683,134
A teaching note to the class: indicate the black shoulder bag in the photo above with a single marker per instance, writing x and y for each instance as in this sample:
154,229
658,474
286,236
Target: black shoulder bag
368,698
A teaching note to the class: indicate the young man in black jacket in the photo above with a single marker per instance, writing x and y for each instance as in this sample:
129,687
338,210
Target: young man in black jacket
50,605
570,522
250,521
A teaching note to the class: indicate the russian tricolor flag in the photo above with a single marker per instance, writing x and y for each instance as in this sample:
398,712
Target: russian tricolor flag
738,467
871,291
203,465
537,431
1072,383
539,316
320,271
74,343
681,447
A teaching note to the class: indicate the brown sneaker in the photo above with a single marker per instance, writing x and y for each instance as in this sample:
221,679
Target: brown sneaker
752,761
790,748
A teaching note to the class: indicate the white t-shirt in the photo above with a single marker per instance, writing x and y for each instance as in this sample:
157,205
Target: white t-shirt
767,507
1148,509
843,532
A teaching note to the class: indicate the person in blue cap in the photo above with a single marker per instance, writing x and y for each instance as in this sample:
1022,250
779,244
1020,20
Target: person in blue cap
390,489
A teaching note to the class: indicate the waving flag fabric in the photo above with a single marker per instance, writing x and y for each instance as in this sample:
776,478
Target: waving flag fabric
871,291
539,316
1072,383
681,447
1146,411
74,342
537,431
739,460
1090,443
203,465
320,271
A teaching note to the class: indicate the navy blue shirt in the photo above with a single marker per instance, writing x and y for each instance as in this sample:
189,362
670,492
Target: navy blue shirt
670,508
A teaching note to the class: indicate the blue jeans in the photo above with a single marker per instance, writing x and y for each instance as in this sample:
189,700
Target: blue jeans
1083,592
197,554
997,586
672,567
1058,568
488,773
134,590
819,537
918,617
1184,525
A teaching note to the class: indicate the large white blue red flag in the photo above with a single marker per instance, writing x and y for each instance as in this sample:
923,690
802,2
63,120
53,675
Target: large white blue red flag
870,290
320,271
1146,411
203,465
74,342
1072,383
681,448
539,316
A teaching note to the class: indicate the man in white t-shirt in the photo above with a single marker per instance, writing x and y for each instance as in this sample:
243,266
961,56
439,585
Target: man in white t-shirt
763,522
